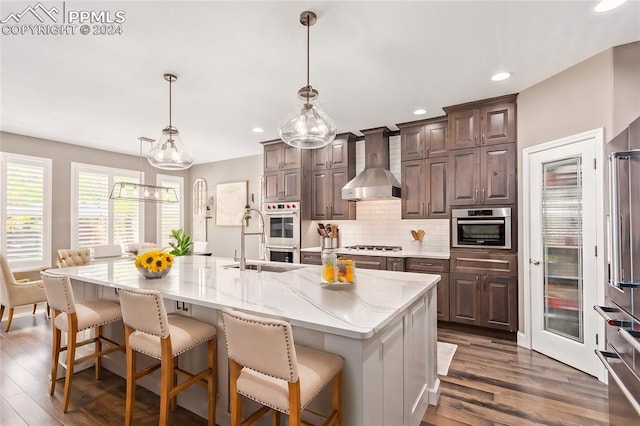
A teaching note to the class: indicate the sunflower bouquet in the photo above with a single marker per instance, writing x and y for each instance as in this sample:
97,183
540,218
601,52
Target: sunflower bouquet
154,264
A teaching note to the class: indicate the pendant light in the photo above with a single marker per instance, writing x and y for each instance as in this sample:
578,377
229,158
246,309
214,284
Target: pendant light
140,191
307,125
168,153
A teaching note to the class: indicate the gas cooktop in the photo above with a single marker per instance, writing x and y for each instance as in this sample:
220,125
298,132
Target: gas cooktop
374,248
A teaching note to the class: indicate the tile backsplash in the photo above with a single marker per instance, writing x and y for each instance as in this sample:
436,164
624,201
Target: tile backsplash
380,222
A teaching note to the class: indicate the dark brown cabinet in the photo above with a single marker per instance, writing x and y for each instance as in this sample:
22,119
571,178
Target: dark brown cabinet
280,156
423,139
395,264
485,175
326,195
434,266
483,289
311,258
336,155
283,185
331,168
482,123
424,189
370,262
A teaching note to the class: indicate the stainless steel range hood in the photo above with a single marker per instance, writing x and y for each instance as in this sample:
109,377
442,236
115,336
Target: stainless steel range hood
375,181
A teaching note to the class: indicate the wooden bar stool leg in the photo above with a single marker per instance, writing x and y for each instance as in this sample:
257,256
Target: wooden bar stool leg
212,352
55,356
131,378
9,320
166,378
34,309
173,402
71,355
336,397
294,404
275,418
97,350
1,312
236,399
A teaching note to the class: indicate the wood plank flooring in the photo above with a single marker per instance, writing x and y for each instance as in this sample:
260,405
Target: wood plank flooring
492,381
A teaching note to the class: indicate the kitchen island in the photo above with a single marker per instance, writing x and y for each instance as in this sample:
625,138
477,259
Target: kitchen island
384,327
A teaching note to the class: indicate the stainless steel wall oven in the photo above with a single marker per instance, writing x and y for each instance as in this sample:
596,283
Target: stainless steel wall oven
283,231
481,228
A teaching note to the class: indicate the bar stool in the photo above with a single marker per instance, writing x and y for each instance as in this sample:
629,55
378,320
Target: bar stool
72,317
266,366
149,330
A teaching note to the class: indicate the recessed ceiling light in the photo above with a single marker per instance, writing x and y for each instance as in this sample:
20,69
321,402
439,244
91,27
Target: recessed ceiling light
501,76
420,111
607,5
257,130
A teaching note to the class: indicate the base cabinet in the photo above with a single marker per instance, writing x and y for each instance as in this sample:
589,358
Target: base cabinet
484,300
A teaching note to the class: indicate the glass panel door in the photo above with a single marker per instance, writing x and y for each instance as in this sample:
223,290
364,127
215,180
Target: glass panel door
563,248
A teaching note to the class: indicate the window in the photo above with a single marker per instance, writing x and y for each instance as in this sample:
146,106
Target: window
100,220
25,210
170,215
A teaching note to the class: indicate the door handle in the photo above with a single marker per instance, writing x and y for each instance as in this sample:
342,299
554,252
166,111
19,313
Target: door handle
475,138
483,197
534,262
476,197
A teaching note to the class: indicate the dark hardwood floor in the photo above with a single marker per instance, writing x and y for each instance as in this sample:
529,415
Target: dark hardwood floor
491,381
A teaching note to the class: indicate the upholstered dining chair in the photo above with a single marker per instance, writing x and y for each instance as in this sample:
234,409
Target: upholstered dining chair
149,330
70,257
108,250
266,366
71,317
14,292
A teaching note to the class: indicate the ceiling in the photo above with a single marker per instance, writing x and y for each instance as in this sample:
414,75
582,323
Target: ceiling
240,64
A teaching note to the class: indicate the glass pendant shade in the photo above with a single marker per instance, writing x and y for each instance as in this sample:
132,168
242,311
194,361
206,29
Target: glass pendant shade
168,152
307,126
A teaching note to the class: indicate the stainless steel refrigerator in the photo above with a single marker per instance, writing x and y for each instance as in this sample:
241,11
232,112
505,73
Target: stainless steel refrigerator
622,311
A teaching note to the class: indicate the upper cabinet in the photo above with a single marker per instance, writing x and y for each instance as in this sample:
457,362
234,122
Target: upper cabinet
487,122
337,154
282,178
423,139
280,156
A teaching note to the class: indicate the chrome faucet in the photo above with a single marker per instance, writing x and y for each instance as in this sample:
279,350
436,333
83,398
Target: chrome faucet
243,233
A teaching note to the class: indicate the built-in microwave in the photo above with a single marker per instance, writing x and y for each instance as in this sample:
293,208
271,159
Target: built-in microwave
481,228
282,222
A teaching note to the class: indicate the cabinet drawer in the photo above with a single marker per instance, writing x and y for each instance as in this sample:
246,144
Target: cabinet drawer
421,264
311,258
370,262
485,263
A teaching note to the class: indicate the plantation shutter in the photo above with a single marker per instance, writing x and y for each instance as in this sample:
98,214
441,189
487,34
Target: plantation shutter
93,209
126,217
170,214
25,210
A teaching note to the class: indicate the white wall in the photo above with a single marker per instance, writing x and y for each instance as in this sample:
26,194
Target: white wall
62,155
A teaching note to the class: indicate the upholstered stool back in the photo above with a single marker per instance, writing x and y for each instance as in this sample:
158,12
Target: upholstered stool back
59,293
69,257
264,345
144,311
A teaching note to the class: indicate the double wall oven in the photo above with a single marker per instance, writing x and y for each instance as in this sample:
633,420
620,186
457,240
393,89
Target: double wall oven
283,231
481,228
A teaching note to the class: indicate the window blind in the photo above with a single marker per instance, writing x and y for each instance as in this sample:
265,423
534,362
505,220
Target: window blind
170,214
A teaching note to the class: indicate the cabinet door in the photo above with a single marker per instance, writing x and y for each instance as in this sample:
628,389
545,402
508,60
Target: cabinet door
291,157
443,298
412,143
498,124
464,176
463,129
272,157
436,136
311,258
413,191
291,185
500,302
320,158
319,199
436,186
271,186
498,174
339,156
339,209
395,264
465,299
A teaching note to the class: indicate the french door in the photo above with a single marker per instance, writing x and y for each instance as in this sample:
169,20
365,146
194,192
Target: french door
563,220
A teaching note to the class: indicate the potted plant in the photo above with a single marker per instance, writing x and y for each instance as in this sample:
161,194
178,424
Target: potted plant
182,243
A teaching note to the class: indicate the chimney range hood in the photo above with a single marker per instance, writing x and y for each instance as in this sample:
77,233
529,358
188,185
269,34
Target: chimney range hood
375,181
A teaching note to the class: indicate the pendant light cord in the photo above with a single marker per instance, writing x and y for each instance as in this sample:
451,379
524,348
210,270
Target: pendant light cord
140,162
308,27
170,82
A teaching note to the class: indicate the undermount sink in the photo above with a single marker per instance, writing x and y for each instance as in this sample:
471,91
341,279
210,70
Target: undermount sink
267,268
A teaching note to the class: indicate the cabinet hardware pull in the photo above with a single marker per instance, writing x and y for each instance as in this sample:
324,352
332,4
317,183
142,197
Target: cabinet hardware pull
468,259
423,212
428,207
475,140
476,197
426,264
483,138
483,197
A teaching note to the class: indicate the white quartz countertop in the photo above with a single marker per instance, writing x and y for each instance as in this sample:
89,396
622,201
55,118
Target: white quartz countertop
357,311
401,253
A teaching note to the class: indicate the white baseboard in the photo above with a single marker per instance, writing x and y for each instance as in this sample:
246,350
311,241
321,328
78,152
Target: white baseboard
523,340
